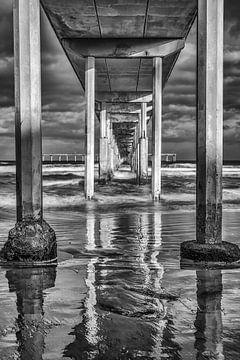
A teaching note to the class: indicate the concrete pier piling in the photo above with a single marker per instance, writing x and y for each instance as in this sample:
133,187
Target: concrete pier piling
90,116
103,146
32,239
157,128
143,146
208,245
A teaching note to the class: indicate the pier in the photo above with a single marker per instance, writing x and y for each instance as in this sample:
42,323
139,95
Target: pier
123,65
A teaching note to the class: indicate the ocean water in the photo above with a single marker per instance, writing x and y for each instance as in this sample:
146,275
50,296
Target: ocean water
118,291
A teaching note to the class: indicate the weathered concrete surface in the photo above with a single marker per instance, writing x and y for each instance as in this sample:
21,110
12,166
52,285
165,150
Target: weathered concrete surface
143,146
119,19
143,160
30,241
124,97
28,109
103,160
124,134
125,108
103,146
117,48
89,118
121,117
120,25
124,75
210,121
222,252
157,129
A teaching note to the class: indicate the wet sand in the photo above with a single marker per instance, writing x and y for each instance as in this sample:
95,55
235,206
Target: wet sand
118,291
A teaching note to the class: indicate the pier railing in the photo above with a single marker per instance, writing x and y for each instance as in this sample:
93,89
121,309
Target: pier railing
66,158
166,158
80,158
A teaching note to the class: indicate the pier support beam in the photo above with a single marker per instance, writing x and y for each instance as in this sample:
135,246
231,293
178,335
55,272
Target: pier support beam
143,146
90,115
210,121
157,128
32,239
209,245
135,157
103,146
110,148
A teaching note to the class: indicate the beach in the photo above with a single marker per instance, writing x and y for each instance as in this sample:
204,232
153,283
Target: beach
118,291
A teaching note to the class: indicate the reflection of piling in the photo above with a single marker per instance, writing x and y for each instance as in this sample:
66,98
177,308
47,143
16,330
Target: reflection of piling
123,315
209,317
29,284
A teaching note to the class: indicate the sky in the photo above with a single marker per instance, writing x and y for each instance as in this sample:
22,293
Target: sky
63,98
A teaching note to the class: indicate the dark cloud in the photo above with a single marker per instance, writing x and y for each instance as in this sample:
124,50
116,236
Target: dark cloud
63,98
232,14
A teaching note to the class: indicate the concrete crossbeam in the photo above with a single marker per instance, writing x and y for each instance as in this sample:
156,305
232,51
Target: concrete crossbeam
120,47
121,117
123,108
122,97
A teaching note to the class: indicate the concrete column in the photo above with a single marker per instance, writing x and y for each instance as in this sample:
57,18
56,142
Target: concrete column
210,121
103,145
90,115
27,68
110,149
103,121
135,151
143,145
32,239
157,128
210,140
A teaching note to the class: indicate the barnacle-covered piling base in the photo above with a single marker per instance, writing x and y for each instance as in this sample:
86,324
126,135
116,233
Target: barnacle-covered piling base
224,252
31,242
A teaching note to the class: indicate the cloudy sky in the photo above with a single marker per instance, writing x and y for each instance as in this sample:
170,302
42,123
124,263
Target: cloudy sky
63,98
